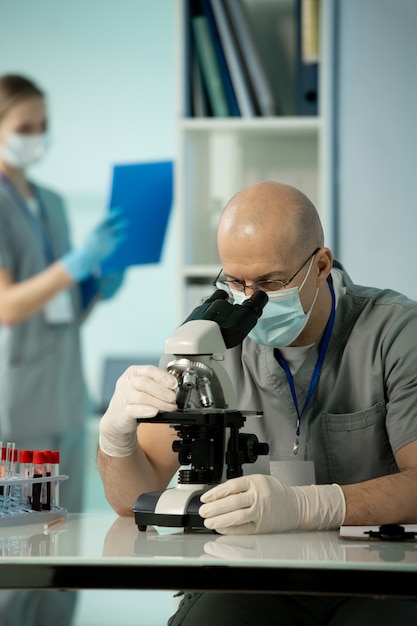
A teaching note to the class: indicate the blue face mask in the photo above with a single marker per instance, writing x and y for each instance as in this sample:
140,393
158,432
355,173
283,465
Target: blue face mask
283,317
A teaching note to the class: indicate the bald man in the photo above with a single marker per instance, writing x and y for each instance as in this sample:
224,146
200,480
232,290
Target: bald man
333,368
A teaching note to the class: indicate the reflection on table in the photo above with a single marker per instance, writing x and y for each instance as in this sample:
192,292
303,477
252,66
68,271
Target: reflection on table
103,551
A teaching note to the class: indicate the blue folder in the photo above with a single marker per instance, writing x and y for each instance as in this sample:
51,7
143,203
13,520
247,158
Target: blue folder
144,192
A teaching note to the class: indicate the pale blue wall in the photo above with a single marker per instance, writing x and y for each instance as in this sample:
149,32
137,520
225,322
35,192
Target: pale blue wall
108,69
377,142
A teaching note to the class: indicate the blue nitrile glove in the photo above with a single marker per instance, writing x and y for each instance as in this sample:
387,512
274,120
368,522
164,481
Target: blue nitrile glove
99,244
109,284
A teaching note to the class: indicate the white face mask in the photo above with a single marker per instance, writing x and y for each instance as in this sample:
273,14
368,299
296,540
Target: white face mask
23,150
283,317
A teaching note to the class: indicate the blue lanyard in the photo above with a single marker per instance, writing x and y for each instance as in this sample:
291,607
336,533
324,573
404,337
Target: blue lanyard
36,224
316,373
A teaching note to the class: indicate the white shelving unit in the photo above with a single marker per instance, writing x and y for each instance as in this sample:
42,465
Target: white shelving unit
219,156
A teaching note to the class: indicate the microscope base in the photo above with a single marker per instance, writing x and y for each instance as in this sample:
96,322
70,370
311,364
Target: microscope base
175,507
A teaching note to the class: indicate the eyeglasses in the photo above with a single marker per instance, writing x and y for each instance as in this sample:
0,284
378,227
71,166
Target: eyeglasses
260,285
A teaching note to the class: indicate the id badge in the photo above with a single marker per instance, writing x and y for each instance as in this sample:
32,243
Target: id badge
293,472
59,310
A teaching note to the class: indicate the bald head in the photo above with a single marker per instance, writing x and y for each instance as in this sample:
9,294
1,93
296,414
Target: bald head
272,217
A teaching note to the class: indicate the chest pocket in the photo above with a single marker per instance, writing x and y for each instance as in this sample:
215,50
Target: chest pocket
356,446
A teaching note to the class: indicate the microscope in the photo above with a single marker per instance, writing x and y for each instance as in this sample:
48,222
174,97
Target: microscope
210,447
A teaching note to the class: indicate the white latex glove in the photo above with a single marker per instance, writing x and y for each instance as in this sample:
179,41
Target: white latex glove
141,391
304,546
261,504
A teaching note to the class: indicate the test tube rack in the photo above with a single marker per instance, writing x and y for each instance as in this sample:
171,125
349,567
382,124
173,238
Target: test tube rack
13,512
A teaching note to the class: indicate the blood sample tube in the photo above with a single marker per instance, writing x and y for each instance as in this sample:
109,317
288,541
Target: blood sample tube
26,471
38,469
46,486
11,459
2,467
55,472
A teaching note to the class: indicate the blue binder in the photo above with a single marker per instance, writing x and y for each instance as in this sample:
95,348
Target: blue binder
224,70
307,69
144,192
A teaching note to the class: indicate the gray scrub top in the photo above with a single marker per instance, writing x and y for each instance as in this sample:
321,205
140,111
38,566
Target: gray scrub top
364,407
41,383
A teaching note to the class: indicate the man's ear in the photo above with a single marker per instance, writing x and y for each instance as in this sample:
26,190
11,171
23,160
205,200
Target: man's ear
324,261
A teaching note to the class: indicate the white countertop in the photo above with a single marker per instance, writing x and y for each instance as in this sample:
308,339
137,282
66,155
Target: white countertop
104,551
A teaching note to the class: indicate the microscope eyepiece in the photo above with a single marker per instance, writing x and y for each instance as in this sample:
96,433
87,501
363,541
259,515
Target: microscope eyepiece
201,311
219,294
256,302
234,320
241,318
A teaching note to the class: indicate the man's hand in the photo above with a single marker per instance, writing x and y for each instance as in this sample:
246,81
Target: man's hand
261,504
141,391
